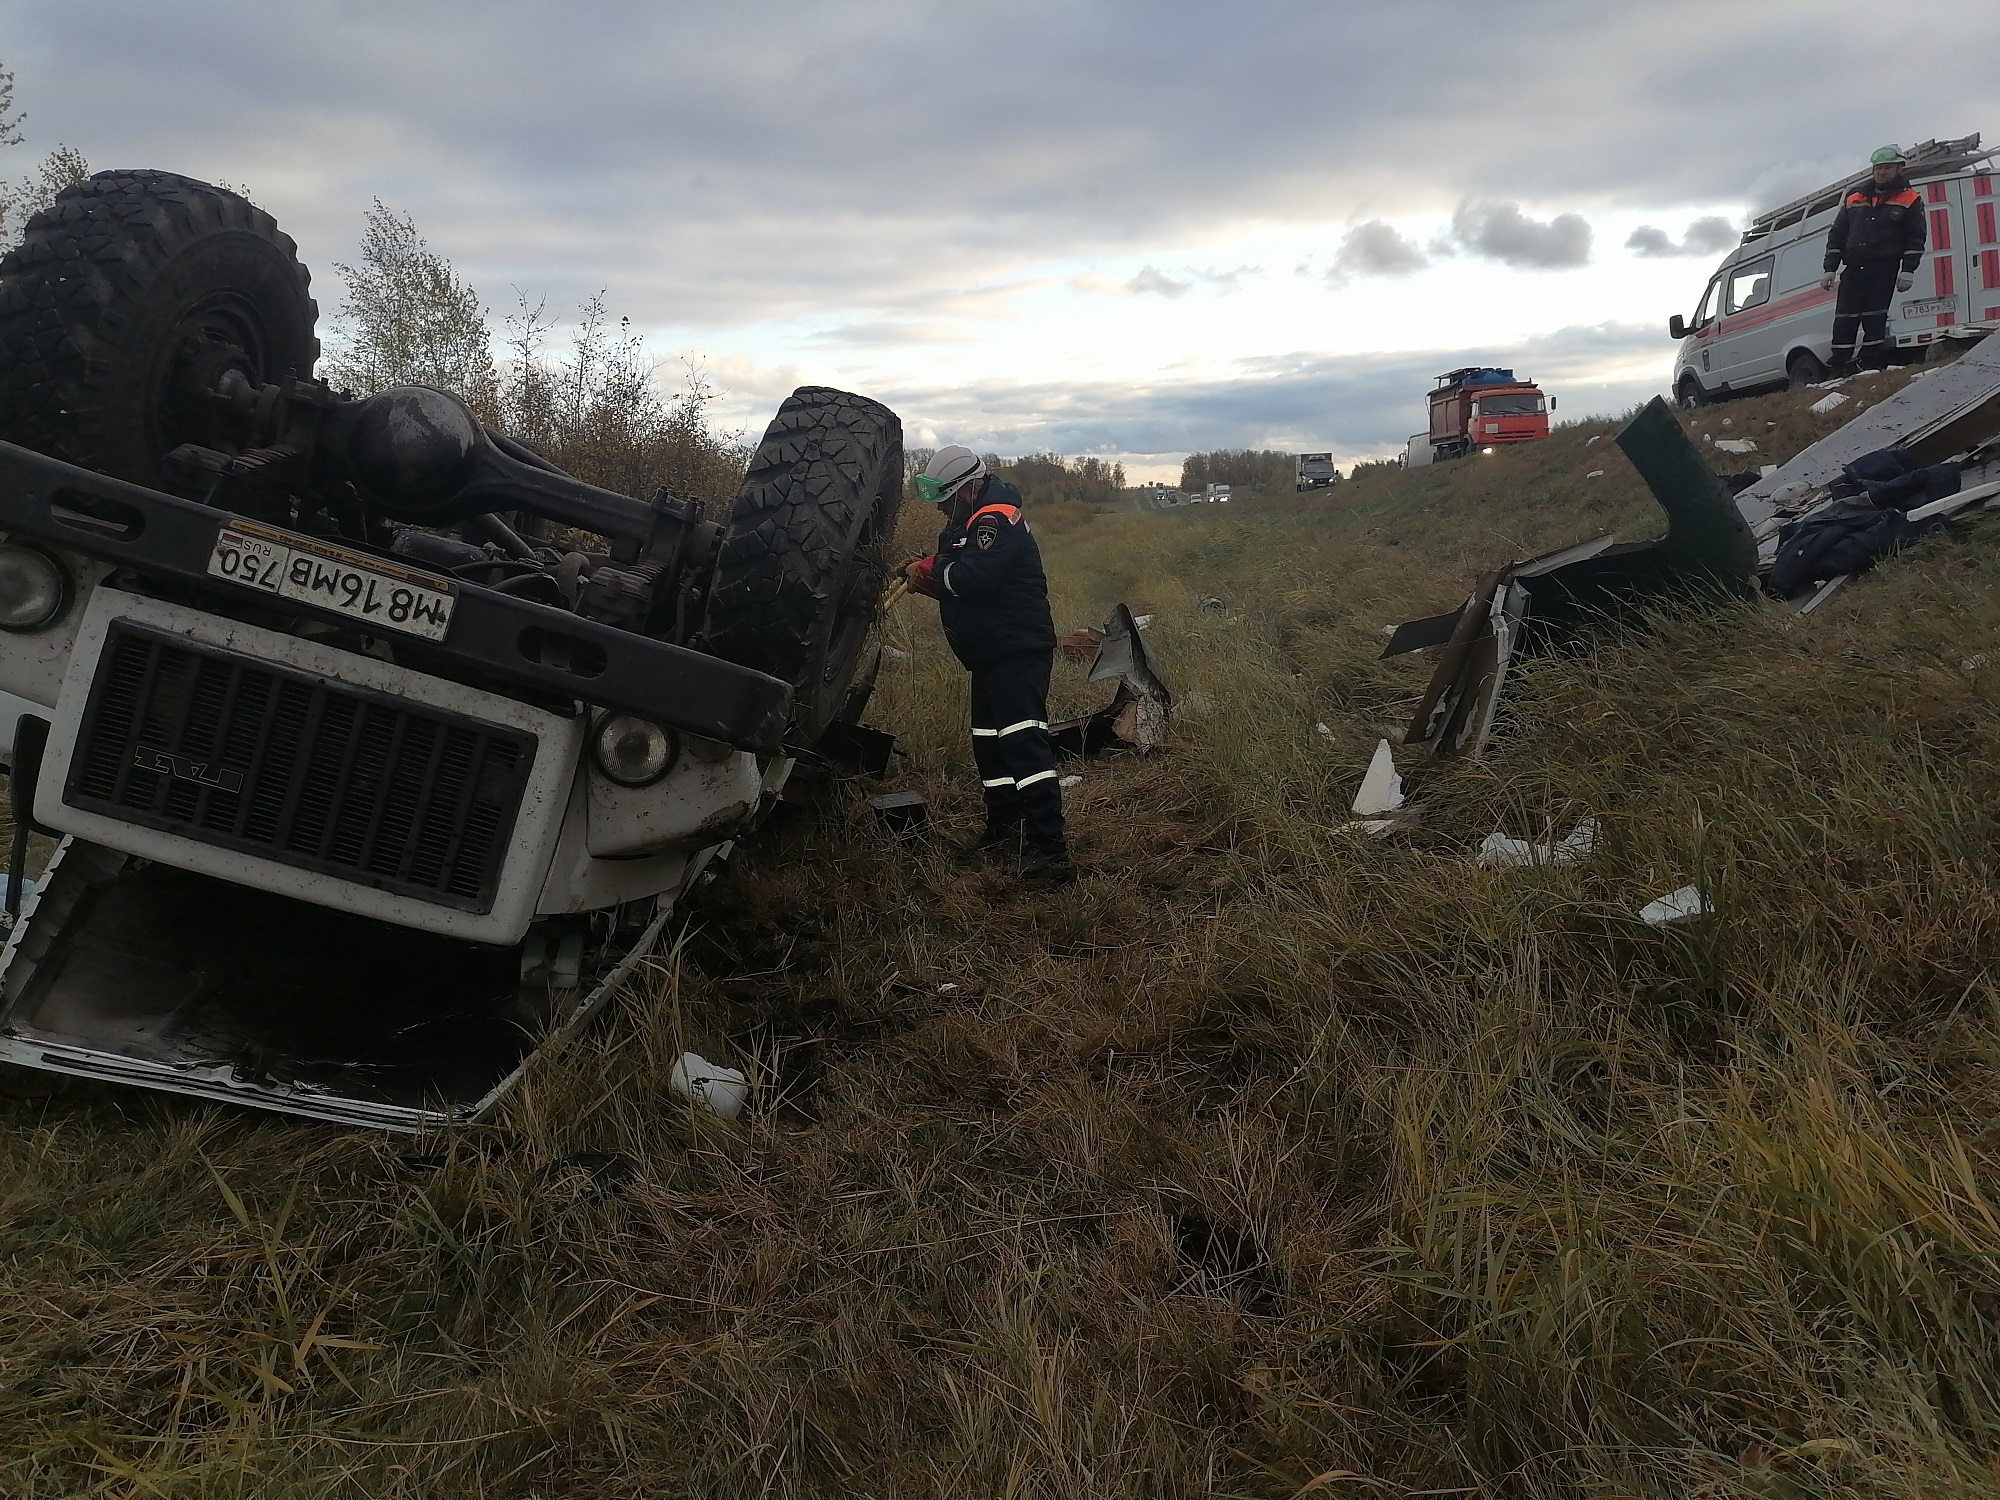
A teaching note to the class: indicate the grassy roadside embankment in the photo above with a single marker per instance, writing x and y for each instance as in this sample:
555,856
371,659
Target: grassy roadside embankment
1526,1198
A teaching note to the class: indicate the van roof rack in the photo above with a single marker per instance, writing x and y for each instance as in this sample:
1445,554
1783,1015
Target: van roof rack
1927,159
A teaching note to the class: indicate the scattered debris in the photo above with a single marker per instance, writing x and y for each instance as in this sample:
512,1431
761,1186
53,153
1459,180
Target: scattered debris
1378,806
1682,905
1736,445
1728,423
1067,782
1832,401
1594,437
1136,716
947,989
1211,602
1881,502
902,813
1324,732
719,1090
1595,474
1501,852
1973,662
1954,407
1140,622
1707,548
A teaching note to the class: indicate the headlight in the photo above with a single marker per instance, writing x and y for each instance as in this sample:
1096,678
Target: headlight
34,589
633,751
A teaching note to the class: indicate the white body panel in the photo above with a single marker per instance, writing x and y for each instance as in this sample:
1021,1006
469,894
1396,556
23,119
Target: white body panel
700,802
536,826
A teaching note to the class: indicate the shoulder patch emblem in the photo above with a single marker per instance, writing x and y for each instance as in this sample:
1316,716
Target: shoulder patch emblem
985,536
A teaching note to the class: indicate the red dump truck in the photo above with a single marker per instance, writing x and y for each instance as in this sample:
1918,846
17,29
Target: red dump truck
1480,407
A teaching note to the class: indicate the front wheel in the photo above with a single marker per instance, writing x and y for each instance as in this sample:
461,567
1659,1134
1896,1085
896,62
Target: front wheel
798,579
1804,370
1692,396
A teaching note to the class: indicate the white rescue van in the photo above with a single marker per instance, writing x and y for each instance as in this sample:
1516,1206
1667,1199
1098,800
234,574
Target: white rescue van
1764,321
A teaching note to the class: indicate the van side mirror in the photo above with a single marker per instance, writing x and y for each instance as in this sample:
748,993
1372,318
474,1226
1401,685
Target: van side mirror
1552,403
1677,327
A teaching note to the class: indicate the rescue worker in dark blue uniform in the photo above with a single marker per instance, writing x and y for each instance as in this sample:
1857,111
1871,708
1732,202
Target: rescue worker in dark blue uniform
993,600
1880,235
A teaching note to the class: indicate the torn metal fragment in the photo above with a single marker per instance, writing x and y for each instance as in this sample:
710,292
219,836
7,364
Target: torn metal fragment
1500,852
1682,905
1707,549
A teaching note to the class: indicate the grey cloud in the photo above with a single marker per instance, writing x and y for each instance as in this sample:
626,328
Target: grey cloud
1704,236
756,162
1651,242
1150,280
1500,231
1374,249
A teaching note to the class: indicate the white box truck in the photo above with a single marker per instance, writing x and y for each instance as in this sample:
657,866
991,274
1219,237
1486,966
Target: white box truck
1763,319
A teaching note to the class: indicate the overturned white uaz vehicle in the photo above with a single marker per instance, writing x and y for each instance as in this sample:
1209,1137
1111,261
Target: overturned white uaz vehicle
377,748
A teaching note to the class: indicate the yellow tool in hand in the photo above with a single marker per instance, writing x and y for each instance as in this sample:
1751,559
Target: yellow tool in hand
895,591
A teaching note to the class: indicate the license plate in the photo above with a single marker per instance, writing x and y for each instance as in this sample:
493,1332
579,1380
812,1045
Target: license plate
378,592
1931,307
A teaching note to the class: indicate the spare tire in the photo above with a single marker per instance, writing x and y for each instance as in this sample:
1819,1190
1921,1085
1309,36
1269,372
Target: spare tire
799,576
126,301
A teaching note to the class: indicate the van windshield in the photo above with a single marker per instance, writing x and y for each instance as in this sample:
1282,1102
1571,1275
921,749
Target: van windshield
1708,301
1522,404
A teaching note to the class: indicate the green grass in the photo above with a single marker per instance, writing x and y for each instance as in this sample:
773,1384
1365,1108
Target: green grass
1555,1204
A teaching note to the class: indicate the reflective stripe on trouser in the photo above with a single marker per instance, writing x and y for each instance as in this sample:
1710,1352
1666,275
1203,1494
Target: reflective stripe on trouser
1011,747
1862,309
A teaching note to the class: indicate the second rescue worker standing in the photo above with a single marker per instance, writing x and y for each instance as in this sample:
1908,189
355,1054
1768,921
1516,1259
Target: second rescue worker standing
1880,235
993,601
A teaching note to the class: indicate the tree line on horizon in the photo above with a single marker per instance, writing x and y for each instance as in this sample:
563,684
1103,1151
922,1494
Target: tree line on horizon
1239,468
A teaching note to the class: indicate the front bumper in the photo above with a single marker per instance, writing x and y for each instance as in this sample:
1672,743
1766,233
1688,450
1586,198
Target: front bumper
493,637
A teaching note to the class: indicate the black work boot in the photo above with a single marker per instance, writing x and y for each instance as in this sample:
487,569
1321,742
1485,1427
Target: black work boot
1047,863
995,841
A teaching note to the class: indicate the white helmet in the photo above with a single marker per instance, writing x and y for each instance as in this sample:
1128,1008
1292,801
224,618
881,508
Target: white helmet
948,471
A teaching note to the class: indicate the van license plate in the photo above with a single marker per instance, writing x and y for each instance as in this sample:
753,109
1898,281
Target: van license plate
1931,307
373,590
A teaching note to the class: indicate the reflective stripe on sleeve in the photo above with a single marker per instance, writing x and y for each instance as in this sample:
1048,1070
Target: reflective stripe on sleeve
947,580
985,734
1026,781
1024,724
999,781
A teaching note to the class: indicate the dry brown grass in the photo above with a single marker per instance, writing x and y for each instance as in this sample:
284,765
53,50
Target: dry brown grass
1550,1203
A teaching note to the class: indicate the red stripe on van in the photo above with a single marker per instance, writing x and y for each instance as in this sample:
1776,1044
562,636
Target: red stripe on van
1989,270
1940,229
1987,233
1757,317
1982,184
1936,191
1942,277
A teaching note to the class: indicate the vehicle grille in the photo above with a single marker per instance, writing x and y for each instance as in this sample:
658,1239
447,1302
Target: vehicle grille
280,763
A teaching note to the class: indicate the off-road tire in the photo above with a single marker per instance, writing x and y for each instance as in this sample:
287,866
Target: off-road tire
799,577
1692,397
127,296
1804,370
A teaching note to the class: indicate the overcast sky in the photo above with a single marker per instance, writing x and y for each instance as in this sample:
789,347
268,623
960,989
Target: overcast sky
1131,229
